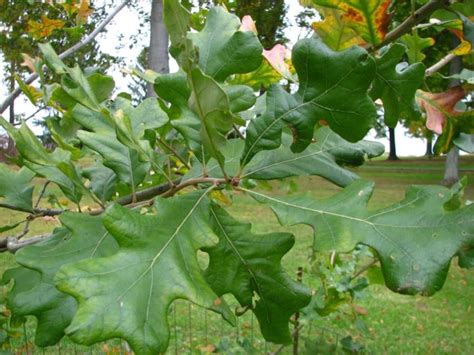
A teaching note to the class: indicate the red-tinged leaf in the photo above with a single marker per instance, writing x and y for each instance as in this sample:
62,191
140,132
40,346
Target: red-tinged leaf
276,57
248,24
439,106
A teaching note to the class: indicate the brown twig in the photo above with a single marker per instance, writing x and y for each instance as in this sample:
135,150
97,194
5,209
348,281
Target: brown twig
280,349
176,154
191,182
31,217
38,212
411,21
13,244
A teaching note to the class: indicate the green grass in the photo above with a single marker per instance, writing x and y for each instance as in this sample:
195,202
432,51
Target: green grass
443,323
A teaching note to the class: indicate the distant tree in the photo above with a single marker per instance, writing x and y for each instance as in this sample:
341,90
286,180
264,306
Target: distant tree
269,17
62,25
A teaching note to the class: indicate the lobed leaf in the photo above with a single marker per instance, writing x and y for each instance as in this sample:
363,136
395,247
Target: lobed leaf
34,292
368,18
223,48
333,88
396,87
15,187
325,157
334,31
415,239
155,265
248,266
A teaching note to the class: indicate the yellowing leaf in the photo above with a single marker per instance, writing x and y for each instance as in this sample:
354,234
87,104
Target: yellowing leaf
264,76
45,27
83,12
335,32
221,197
32,93
368,18
464,47
439,106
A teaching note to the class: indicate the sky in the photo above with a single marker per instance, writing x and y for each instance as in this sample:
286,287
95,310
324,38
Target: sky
127,22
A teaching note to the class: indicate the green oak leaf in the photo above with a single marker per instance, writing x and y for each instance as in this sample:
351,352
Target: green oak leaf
333,88
56,166
211,104
101,137
325,157
396,87
415,239
15,187
103,181
92,120
156,264
174,89
466,258
223,48
82,238
248,265
147,115
89,91
121,159
241,97
31,295
415,46
177,20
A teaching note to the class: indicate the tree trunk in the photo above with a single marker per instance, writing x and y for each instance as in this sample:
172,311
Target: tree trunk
393,148
158,59
429,147
451,168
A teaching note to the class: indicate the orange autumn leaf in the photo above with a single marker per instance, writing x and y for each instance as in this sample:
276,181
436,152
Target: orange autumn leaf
83,12
439,106
45,27
368,18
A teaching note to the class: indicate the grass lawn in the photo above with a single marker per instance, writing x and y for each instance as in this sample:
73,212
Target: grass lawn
443,323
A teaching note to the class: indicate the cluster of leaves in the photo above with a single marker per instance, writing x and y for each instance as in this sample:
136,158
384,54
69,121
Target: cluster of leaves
157,176
366,23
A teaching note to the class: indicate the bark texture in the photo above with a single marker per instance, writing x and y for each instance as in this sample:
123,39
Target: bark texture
158,59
